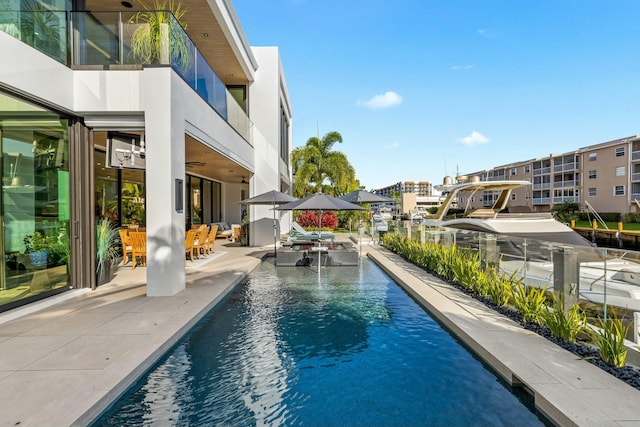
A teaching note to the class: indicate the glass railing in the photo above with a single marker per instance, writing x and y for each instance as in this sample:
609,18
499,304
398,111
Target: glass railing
126,40
599,279
43,30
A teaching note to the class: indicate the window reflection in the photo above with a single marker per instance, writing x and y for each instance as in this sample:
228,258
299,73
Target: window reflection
35,201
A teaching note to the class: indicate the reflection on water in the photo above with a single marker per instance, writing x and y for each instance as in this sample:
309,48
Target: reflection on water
346,347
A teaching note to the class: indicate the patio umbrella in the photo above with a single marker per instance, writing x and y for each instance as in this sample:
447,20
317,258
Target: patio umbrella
320,202
272,198
362,196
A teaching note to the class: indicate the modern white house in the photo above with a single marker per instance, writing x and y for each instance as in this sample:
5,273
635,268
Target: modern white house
163,137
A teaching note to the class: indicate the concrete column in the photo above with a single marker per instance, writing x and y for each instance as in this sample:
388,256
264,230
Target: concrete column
165,142
566,275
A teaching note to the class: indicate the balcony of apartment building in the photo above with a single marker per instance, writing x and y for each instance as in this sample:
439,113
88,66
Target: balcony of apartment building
565,183
635,151
129,40
635,172
542,168
496,175
565,166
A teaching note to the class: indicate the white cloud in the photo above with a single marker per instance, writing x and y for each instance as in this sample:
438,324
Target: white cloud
474,139
461,67
483,32
386,100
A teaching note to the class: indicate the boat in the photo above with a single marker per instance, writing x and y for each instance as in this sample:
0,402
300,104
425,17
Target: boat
517,221
615,281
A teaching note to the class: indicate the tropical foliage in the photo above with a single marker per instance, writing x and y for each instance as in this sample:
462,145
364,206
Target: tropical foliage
531,302
609,336
317,168
106,246
310,219
155,24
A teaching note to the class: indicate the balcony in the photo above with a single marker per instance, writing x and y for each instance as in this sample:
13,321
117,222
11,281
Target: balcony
635,155
565,167
541,200
565,184
126,40
542,171
542,186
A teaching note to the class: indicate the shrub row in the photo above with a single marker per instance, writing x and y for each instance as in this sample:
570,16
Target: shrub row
464,268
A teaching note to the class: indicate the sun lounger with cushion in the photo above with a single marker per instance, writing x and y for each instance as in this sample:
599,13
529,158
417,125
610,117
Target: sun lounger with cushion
299,233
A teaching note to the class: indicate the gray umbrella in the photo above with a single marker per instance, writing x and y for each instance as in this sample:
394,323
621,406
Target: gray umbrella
362,196
320,202
272,198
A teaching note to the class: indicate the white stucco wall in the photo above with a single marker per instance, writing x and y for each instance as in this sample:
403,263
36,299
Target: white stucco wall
30,71
265,101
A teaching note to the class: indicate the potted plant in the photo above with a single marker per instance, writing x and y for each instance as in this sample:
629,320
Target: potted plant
38,246
159,38
106,249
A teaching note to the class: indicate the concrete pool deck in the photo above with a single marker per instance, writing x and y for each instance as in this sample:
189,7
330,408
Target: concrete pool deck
63,364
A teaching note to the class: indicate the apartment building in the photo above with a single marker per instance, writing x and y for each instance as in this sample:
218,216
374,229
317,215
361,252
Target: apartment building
412,196
165,137
604,176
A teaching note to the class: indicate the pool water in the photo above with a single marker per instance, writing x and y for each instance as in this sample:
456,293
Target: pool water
346,347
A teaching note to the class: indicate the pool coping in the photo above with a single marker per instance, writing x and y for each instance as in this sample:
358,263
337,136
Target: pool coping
567,390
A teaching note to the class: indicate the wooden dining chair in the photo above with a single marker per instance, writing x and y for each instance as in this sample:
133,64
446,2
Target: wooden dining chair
199,244
126,245
210,243
189,238
138,240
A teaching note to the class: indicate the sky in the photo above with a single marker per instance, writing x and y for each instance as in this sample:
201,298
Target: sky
421,89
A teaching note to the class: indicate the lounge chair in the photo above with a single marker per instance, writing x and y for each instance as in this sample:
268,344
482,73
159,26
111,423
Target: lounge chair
299,233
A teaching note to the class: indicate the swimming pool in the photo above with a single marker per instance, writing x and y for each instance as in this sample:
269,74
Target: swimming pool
346,347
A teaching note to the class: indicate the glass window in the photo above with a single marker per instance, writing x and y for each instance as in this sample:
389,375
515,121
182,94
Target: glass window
618,190
592,192
527,169
196,200
619,151
620,171
35,196
592,174
593,156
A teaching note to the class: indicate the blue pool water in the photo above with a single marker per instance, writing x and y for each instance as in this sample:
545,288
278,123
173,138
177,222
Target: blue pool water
344,348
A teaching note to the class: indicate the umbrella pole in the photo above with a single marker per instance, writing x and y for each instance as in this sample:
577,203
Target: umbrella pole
275,241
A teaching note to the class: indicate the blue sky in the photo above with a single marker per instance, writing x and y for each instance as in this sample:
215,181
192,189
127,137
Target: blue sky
420,88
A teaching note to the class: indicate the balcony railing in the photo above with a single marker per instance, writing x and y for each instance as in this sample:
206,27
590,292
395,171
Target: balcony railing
635,155
563,184
126,40
542,186
635,176
565,167
542,171
541,200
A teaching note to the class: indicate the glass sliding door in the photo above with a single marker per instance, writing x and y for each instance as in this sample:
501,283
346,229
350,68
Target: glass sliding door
35,202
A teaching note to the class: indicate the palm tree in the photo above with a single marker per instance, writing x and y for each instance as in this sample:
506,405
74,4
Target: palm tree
317,168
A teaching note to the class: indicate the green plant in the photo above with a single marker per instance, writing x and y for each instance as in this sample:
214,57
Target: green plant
609,336
501,289
564,324
530,302
156,28
106,246
38,242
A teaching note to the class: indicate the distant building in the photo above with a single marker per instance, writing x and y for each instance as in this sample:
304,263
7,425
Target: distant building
605,176
412,196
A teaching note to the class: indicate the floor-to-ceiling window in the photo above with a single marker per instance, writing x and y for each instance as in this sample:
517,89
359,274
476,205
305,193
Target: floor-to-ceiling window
35,202
204,201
